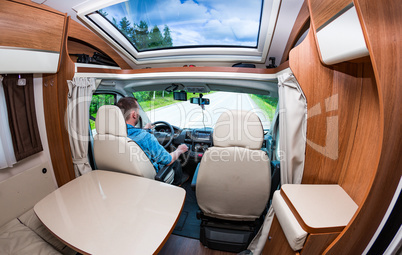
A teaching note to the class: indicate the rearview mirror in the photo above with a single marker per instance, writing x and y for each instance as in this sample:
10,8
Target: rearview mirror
180,95
199,101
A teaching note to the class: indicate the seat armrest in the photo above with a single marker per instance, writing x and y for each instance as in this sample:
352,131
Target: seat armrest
194,180
161,175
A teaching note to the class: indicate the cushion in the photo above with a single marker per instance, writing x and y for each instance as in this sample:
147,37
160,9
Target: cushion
16,238
294,233
32,221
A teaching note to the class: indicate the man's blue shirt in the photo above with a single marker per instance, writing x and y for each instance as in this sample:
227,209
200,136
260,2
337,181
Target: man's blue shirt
158,156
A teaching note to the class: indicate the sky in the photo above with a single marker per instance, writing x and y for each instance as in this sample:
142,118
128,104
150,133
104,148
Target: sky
196,22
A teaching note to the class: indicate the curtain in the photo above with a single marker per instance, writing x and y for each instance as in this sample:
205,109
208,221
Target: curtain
292,144
79,100
22,115
7,157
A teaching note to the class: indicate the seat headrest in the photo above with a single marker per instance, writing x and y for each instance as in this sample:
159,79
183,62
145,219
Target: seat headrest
110,120
236,128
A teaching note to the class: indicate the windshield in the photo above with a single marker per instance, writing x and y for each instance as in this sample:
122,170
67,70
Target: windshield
160,106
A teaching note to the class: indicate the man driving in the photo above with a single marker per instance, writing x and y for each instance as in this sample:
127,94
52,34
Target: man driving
156,153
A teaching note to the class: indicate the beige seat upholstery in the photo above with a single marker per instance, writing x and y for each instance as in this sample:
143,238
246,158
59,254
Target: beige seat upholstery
114,151
294,233
234,177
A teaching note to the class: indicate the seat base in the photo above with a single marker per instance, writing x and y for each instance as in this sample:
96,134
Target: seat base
225,235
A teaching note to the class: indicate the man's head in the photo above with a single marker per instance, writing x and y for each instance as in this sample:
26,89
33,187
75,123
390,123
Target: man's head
130,110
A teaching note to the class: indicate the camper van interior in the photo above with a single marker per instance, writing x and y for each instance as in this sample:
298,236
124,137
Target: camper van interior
200,127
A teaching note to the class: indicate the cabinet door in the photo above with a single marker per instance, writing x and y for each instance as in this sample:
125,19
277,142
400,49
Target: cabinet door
277,242
27,27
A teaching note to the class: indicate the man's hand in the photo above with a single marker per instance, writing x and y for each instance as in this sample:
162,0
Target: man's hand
182,148
148,126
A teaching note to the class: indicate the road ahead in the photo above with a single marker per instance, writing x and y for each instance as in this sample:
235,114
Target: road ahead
186,115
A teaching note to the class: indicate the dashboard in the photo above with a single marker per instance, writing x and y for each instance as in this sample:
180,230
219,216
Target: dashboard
198,140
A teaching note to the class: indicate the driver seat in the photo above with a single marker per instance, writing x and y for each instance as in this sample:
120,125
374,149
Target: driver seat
114,151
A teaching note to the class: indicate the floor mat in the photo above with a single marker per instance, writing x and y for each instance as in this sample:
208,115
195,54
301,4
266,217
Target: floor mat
188,225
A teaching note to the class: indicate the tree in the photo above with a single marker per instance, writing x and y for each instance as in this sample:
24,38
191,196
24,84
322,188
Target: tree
141,36
125,27
155,38
103,13
167,39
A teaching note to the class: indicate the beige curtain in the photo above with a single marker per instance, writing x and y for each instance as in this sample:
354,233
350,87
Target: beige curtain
79,100
292,144
7,157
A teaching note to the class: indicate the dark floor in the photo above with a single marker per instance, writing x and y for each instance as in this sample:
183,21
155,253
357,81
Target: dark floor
188,225
177,245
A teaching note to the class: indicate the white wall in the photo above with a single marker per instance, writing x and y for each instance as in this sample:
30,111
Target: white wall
43,156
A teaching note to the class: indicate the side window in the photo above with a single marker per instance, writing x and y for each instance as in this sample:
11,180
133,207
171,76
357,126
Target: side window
97,101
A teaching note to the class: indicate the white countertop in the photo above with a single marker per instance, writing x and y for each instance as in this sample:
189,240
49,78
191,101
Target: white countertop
320,207
112,213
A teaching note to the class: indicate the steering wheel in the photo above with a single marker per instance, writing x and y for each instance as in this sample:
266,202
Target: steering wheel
163,136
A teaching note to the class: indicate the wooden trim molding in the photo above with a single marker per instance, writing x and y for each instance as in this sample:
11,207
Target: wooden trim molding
186,69
322,11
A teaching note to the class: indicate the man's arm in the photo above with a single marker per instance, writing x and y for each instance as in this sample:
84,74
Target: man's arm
180,150
148,126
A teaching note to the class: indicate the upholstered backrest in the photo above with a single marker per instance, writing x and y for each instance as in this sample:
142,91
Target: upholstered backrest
113,150
238,128
234,178
233,183
110,120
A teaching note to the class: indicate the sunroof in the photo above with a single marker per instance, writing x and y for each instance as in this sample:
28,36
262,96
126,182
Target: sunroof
162,24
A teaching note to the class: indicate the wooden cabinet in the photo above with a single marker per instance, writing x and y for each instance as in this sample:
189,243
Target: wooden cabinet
276,242
31,38
28,27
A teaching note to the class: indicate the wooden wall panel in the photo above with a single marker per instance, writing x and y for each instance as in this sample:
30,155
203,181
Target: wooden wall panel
277,242
81,33
25,26
381,27
325,158
323,10
55,104
359,123
316,243
54,128
361,166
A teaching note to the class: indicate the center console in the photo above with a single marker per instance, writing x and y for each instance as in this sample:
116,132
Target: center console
198,140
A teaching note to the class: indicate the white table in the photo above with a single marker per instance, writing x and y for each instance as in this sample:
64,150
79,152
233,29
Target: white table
112,213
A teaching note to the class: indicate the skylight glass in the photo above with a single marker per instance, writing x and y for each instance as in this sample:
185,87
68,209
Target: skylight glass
161,24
